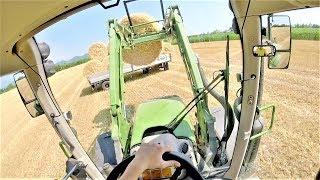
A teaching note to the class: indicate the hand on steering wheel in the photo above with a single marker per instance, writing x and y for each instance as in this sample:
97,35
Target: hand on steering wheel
152,156
149,156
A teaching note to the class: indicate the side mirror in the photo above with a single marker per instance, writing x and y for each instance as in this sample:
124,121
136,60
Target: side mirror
27,95
264,50
279,34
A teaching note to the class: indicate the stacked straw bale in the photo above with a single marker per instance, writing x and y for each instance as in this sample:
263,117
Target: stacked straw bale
98,51
145,53
99,59
141,54
167,47
94,66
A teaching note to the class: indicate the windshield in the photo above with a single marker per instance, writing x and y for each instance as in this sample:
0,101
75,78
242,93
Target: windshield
81,63
78,73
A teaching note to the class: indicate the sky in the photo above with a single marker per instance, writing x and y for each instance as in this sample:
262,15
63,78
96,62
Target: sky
76,33
73,35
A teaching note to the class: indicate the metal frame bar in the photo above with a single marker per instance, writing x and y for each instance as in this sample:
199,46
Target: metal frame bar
128,14
251,66
191,64
109,6
263,108
127,10
149,37
37,78
143,24
162,10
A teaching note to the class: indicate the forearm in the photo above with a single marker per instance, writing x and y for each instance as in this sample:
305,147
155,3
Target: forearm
133,171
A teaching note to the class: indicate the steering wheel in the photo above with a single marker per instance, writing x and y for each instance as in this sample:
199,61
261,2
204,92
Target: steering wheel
191,171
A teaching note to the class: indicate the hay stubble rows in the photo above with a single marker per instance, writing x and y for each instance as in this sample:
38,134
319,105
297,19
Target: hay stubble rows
29,147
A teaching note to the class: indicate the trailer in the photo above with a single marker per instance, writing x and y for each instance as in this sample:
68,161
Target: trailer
101,80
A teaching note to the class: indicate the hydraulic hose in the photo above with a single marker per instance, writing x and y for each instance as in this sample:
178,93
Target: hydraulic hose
222,101
213,93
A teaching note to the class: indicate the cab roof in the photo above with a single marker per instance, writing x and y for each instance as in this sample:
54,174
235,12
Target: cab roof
21,20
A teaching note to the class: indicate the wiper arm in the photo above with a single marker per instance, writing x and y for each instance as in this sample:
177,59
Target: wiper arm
179,117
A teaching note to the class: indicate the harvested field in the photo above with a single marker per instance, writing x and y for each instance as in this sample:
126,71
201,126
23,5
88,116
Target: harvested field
29,147
280,37
26,91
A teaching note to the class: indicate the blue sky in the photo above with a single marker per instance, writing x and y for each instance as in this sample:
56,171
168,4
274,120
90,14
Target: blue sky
72,36
76,33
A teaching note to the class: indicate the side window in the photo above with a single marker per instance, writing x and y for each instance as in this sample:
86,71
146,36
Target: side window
295,93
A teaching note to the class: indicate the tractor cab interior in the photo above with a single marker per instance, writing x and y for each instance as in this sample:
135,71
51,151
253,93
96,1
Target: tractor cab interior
208,142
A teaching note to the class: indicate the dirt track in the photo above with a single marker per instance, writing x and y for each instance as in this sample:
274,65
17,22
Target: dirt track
29,147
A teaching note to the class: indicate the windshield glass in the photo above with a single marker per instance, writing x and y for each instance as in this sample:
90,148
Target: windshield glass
81,62
79,51
78,72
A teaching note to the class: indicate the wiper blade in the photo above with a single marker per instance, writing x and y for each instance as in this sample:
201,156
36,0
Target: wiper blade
179,117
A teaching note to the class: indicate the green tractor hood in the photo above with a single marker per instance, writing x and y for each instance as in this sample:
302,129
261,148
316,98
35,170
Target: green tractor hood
160,112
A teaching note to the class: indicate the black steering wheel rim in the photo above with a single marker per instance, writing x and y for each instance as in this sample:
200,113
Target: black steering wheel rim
167,156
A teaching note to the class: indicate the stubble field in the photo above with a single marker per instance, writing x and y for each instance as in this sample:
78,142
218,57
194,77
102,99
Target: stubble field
29,147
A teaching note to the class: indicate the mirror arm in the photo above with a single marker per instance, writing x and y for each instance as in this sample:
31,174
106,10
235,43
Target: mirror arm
109,6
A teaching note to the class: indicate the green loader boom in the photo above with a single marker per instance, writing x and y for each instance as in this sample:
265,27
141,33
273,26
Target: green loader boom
123,37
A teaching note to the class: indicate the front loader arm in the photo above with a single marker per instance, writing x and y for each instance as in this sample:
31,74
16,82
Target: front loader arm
191,64
120,38
120,125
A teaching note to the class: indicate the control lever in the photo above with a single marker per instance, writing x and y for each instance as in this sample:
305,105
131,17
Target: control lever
77,167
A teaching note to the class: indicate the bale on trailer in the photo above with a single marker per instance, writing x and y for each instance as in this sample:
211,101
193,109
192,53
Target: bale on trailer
98,51
146,53
99,59
94,66
167,47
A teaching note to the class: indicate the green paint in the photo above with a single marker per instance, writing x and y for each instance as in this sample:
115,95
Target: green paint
274,61
264,108
149,37
160,112
65,150
156,112
120,126
192,68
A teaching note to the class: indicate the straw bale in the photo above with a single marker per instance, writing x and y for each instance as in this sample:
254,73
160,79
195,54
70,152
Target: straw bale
94,66
98,51
167,47
99,59
144,53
